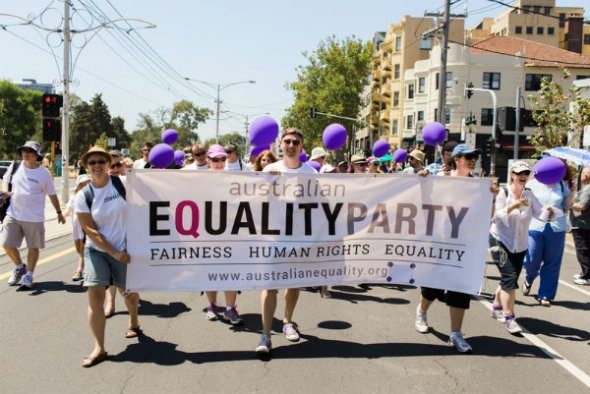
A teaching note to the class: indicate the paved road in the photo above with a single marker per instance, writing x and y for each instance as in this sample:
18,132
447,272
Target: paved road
361,340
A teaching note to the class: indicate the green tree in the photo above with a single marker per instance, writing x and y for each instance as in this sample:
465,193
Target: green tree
557,114
20,117
332,81
235,138
89,122
102,141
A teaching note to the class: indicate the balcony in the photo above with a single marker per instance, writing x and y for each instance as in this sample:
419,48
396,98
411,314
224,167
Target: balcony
386,90
387,45
384,115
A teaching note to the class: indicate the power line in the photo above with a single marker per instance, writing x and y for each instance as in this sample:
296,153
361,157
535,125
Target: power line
526,10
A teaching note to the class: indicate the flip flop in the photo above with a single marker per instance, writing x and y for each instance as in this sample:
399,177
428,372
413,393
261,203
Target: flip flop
133,332
88,362
109,315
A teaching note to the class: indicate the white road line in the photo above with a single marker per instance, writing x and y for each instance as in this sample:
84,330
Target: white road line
575,287
548,350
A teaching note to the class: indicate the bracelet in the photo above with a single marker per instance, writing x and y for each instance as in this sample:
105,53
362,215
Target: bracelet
58,212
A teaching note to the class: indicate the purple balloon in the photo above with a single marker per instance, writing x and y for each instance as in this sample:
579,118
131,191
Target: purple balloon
257,150
161,155
316,166
434,133
170,136
400,155
334,136
179,157
303,156
263,130
549,170
380,148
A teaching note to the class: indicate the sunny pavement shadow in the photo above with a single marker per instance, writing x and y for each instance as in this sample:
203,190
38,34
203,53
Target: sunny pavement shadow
170,310
550,329
51,286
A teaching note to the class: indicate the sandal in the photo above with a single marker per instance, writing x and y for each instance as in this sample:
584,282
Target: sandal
110,314
133,332
526,288
89,361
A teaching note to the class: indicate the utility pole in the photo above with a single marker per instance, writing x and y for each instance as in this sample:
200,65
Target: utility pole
65,124
444,28
494,125
218,101
517,123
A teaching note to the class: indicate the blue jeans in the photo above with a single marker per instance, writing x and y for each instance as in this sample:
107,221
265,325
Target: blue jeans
543,258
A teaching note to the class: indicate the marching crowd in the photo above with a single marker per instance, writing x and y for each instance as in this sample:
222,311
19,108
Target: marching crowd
528,229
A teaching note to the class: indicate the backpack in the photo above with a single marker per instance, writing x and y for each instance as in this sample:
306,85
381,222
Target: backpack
4,204
89,192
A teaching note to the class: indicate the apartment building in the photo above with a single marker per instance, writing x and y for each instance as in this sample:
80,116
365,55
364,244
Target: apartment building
541,21
522,63
396,50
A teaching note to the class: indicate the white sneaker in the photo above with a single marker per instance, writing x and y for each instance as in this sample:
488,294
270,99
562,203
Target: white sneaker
27,280
17,274
458,342
577,276
580,281
421,321
265,344
291,332
512,326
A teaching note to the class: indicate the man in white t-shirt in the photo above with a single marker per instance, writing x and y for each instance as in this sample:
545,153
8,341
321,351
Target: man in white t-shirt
200,158
291,145
145,153
234,163
25,217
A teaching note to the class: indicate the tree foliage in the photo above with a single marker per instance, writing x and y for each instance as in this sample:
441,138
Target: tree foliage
235,138
558,114
20,118
332,81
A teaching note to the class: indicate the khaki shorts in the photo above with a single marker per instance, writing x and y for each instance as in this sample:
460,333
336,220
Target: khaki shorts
13,231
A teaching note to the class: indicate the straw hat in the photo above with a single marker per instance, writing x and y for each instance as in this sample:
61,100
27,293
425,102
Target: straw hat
96,150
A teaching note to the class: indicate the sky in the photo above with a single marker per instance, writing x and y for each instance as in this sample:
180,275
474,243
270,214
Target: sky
216,41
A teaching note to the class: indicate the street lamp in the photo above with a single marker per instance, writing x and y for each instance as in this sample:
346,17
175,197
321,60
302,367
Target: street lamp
219,88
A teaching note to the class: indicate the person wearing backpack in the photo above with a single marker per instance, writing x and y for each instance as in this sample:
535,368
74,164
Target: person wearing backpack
24,187
101,211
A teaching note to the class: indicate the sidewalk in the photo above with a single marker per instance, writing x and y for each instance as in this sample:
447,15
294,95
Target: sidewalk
53,229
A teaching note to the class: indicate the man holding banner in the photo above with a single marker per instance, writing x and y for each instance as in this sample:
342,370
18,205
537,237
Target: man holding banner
291,145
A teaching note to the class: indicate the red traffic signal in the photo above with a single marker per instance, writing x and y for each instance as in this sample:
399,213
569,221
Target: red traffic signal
51,129
51,103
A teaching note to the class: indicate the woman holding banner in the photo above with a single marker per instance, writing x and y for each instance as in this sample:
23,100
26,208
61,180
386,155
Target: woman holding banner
216,158
100,207
515,208
462,164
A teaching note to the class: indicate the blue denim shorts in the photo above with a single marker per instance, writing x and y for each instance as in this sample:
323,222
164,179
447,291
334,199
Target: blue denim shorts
101,269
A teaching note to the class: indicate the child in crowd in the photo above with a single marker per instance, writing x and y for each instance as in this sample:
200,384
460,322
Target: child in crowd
77,233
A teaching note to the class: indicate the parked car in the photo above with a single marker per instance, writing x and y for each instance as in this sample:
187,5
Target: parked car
4,164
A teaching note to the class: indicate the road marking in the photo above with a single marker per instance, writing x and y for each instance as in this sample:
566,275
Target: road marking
575,287
548,350
44,260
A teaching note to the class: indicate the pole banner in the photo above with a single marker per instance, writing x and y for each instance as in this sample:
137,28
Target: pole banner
205,230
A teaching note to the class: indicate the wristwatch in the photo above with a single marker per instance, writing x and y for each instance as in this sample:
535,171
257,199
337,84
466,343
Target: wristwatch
58,212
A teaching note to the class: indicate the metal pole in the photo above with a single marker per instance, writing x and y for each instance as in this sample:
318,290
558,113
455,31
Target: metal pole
493,153
247,142
517,123
217,114
65,133
442,79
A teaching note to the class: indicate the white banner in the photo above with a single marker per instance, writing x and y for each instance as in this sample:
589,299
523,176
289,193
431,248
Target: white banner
205,230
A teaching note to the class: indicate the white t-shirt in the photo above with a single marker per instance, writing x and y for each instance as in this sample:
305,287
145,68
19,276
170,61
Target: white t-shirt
77,232
195,166
280,166
139,163
29,187
236,166
108,212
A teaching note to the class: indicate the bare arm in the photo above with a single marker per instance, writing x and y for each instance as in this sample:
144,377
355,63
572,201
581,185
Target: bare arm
55,202
89,227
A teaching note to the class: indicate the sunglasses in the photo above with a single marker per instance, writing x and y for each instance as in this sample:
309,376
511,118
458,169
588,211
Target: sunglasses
99,162
527,173
28,150
291,142
200,153
145,150
217,159
361,164
117,165
471,156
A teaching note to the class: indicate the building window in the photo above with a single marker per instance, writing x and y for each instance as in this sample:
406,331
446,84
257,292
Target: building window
537,9
532,82
398,43
487,116
420,116
561,20
426,43
547,10
504,31
396,71
395,99
385,54
551,31
421,85
529,30
540,30
518,30
411,91
525,9
491,81
447,115
582,76
395,126
449,79
586,39
436,114
409,122
436,81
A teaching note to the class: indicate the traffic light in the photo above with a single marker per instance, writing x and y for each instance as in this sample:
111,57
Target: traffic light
313,112
51,103
488,146
51,129
469,93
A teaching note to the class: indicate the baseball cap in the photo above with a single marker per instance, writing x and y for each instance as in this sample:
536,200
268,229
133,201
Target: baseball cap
463,149
519,166
216,150
317,153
